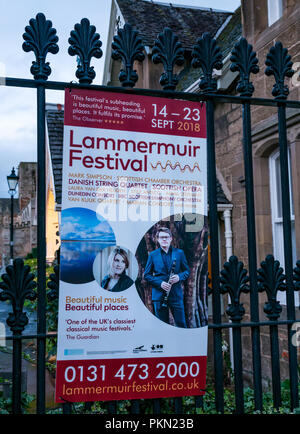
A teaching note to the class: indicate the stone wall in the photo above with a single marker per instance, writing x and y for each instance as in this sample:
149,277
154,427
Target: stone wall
25,229
27,185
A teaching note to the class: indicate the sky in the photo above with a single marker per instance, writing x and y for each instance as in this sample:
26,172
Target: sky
84,224
18,105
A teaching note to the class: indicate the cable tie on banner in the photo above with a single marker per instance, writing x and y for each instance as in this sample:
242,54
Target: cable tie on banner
206,391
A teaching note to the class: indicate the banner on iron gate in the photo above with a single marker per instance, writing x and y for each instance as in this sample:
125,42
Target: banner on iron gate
133,263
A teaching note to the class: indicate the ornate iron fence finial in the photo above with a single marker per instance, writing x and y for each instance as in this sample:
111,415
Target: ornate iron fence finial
17,285
53,284
280,65
271,280
168,51
244,61
85,43
127,46
234,281
296,276
40,37
207,55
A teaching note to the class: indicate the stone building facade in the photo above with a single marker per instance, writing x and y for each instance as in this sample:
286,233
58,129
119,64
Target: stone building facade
262,28
149,19
262,22
25,222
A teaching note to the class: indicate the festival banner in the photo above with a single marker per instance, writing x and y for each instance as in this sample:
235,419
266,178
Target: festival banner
132,317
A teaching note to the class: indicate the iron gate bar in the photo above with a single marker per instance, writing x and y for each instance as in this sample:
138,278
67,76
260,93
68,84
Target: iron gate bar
252,257
55,85
206,54
156,405
250,324
17,380
238,370
215,267
34,336
245,62
178,405
67,408
112,407
288,259
275,365
135,407
279,64
41,248
210,326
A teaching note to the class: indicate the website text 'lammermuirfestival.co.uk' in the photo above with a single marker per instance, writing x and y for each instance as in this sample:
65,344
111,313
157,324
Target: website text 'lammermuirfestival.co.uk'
114,378
149,387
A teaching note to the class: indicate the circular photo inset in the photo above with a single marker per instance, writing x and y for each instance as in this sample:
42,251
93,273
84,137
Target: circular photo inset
83,234
115,268
172,279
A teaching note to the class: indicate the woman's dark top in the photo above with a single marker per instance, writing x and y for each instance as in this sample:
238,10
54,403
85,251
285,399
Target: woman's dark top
123,283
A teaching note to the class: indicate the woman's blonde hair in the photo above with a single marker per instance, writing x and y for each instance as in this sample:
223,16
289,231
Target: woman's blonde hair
117,251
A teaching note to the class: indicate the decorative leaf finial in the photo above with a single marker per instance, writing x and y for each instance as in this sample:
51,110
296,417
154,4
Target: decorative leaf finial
85,43
234,281
40,37
271,279
168,51
53,284
127,46
207,55
280,65
244,61
297,277
17,285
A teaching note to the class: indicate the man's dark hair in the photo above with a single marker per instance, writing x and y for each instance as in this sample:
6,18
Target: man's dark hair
166,230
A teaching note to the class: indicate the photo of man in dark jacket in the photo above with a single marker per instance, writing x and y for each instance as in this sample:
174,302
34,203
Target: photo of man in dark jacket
166,268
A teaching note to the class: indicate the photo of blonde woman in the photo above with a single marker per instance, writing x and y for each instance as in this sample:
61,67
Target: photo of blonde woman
117,279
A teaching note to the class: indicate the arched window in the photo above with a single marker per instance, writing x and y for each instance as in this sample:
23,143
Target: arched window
274,11
276,212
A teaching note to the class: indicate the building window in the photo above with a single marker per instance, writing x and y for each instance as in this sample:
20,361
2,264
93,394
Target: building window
277,217
274,11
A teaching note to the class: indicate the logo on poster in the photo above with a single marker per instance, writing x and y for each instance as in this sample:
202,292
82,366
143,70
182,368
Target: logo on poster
139,349
157,348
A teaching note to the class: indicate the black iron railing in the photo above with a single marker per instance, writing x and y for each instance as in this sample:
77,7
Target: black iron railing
40,37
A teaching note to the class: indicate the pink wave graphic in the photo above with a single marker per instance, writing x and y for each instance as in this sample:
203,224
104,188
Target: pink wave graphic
175,166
